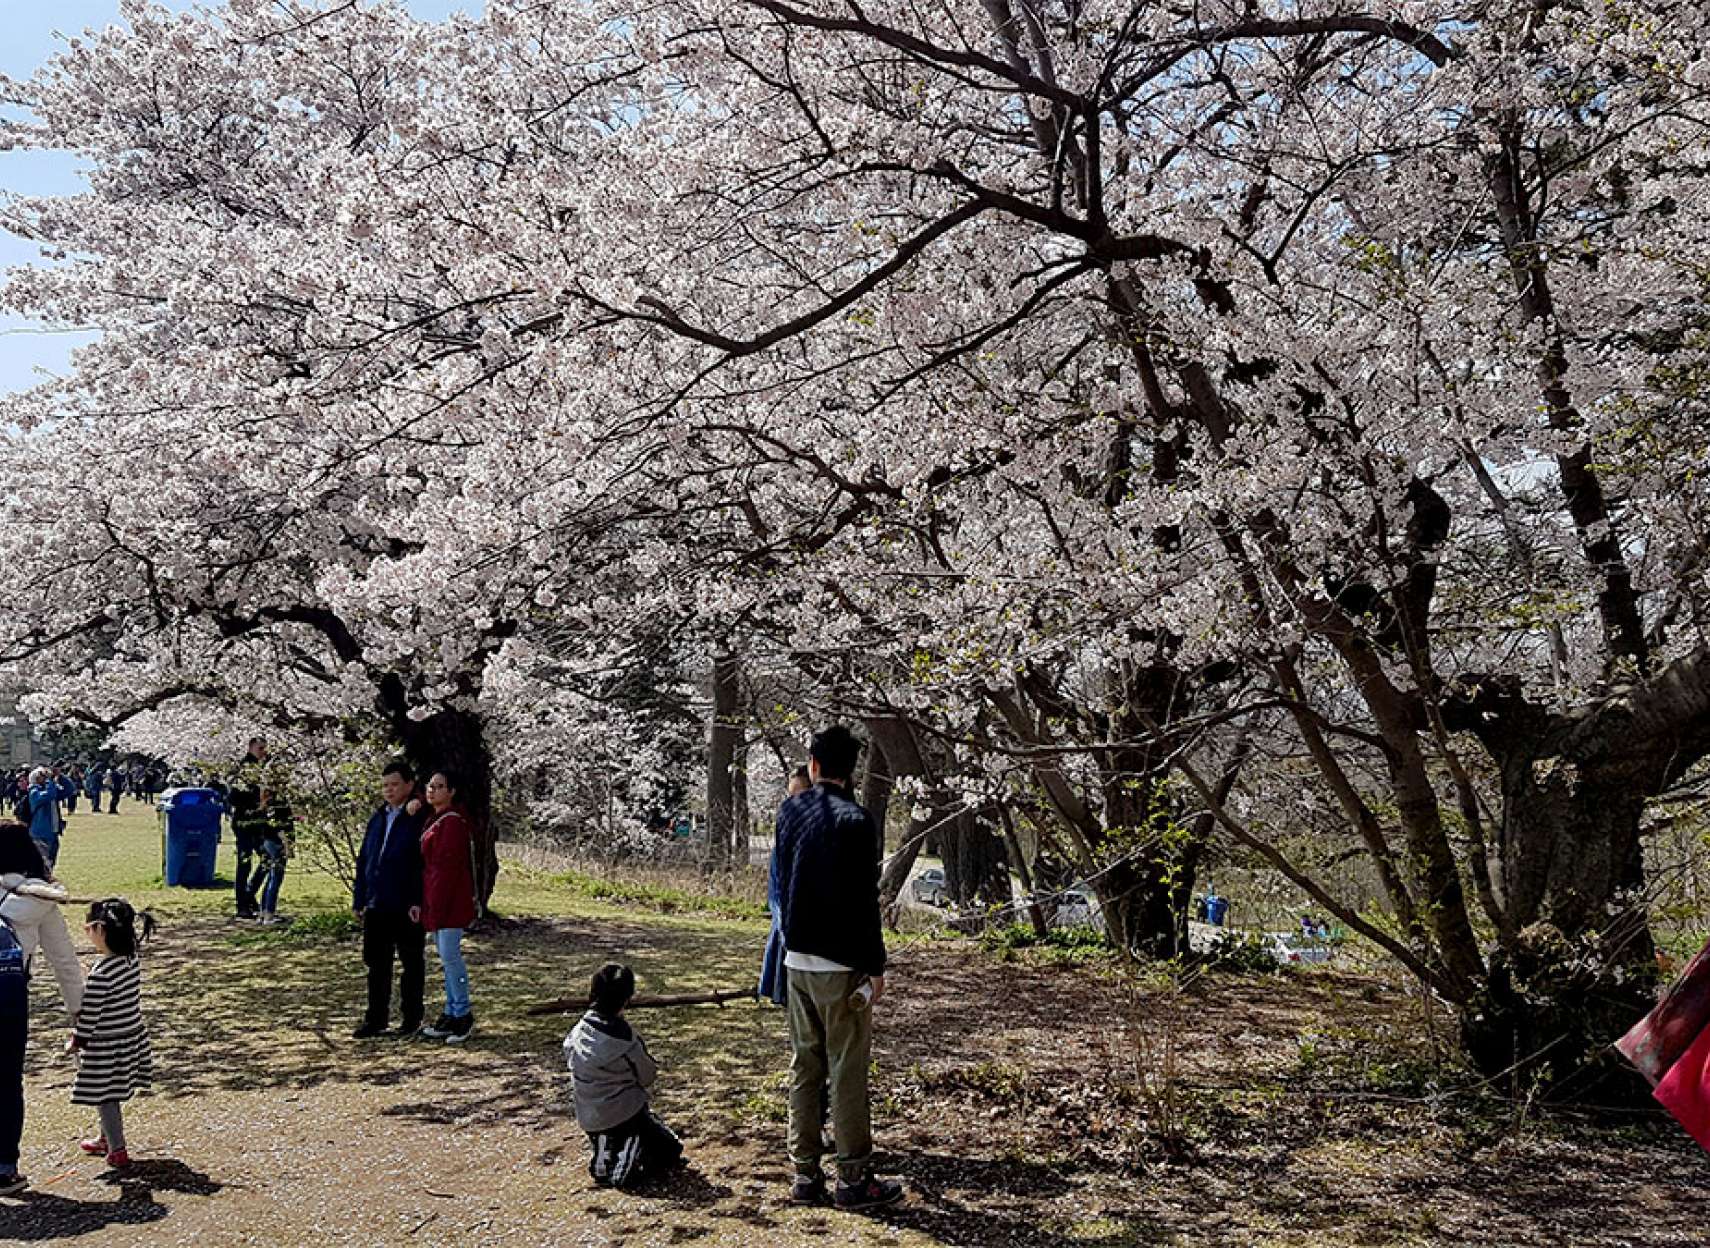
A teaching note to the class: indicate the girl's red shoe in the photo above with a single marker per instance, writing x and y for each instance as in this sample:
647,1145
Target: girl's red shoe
118,1158
96,1147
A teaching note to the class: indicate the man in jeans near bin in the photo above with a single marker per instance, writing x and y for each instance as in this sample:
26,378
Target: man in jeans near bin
826,877
388,900
249,822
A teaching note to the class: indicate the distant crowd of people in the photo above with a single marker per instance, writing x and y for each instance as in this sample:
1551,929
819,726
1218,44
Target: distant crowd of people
99,783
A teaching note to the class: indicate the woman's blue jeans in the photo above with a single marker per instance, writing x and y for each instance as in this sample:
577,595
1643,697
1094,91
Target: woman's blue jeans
272,869
449,942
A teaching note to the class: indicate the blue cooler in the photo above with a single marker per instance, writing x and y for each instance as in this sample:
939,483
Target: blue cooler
189,836
1216,908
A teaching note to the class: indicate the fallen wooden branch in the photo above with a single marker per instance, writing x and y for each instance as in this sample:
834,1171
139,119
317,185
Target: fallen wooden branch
566,1004
49,893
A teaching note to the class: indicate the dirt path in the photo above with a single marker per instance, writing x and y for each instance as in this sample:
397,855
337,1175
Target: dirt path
1005,1098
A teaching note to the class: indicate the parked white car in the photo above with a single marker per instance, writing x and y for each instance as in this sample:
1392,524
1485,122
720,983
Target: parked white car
1075,906
928,887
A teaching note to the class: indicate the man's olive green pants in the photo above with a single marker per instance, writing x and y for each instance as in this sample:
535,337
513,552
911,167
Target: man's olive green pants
831,1041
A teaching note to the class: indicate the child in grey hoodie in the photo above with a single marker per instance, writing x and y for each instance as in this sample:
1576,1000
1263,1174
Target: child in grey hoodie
612,1070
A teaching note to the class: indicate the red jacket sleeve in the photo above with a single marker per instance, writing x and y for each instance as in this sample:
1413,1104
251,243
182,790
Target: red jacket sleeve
448,897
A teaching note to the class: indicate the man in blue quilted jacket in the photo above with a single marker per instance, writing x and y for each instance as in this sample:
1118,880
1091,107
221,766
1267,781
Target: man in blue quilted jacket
827,879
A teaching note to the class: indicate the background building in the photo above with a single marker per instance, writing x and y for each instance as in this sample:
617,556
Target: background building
18,744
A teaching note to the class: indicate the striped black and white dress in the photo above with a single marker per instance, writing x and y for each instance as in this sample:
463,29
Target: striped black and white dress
116,1061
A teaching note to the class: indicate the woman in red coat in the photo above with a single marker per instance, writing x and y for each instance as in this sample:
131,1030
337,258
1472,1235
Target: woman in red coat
448,903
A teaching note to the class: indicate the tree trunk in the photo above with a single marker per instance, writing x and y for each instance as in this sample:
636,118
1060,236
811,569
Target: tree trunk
1583,963
1144,902
975,864
903,757
453,740
1149,856
876,786
901,865
1018,863
1570,873
742,820
724,740
1569,853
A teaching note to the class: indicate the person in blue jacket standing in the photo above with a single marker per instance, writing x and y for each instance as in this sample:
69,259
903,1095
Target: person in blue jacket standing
14,1034
774,980
45,820
387,898
826,868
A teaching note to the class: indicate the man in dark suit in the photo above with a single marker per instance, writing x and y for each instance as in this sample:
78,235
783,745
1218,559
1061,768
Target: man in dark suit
388,899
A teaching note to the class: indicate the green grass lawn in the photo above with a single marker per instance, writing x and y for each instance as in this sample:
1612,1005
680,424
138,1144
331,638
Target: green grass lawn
120,855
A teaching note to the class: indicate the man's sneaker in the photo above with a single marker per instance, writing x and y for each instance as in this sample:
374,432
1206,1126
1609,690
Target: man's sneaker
118,1159
809,1189
12,1184
368,1029
460,1029
96,1147
440,1028
407,1031
267,918
870,1193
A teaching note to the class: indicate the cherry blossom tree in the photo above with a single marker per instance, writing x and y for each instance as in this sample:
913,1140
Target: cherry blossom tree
1110,394
1338,369
316,532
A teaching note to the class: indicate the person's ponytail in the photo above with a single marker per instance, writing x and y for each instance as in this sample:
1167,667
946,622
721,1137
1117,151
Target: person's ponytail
119,922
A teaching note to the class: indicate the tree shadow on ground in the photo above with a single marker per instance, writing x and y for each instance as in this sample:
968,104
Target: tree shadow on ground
951,1198
710,1055
275,1015
962,1199
41,1215
1403,1169
1532,1188
1006,1098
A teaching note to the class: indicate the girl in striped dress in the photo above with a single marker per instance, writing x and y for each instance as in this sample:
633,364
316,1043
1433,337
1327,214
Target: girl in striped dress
109,1033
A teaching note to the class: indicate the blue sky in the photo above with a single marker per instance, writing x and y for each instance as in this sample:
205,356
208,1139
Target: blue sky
30,33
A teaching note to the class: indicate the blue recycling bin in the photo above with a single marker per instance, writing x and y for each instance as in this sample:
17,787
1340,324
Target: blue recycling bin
1216,908
189,836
